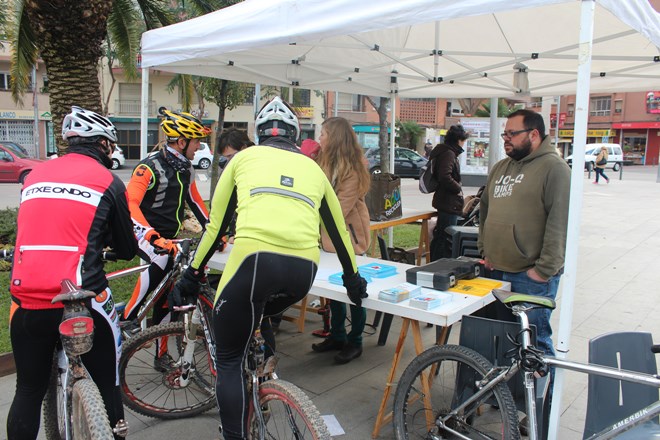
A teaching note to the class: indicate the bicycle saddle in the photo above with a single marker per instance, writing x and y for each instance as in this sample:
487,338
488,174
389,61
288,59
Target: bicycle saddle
511,299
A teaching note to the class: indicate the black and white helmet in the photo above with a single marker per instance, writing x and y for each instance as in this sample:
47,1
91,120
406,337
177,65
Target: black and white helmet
86,123
276,118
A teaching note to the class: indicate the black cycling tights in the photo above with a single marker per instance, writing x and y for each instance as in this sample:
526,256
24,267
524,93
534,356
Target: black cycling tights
265,284
34,336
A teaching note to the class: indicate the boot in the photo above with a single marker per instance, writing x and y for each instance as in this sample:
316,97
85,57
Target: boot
348,353
327,345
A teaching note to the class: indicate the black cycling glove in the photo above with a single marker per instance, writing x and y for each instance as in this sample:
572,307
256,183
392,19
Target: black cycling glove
185,291
356,287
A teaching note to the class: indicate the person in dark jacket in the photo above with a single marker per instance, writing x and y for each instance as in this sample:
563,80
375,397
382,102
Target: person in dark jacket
448,198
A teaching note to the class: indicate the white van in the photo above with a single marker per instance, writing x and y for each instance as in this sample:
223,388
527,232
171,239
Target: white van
614,160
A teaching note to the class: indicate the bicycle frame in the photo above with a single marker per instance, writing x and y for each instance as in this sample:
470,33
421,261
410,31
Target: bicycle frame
181,259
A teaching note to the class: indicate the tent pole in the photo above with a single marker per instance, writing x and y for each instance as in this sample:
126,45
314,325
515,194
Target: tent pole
575,206
394,87
494,139
144,113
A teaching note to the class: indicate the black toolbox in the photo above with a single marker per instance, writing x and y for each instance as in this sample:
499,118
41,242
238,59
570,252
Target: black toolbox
443,273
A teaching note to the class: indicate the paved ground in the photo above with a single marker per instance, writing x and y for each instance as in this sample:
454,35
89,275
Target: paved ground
616,290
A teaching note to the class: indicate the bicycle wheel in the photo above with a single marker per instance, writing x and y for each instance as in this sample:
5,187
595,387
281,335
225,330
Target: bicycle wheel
288,414
53,406
89,420
440,379
152,387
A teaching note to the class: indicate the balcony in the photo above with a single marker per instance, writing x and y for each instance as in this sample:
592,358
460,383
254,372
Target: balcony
131,107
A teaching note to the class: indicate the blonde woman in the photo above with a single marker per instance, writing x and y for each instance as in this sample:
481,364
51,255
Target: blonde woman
342,160
601,163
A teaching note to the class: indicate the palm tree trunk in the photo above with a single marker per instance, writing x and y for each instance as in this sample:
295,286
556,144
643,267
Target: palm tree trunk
69,37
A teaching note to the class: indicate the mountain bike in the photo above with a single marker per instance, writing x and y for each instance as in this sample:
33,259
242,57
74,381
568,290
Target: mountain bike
450,391
184,384
73,407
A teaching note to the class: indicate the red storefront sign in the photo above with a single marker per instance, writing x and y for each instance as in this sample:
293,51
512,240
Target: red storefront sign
553,120
632,125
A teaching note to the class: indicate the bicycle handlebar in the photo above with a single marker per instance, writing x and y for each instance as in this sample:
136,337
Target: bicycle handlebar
108,256
655,348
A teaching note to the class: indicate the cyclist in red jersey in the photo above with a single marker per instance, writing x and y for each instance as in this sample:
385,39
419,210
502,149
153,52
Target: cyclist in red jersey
71,208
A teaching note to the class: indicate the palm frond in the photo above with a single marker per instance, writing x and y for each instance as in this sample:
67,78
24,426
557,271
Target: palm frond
156,13
124,33
24,52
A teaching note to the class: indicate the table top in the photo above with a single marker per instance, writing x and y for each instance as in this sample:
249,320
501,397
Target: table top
444,315
408,216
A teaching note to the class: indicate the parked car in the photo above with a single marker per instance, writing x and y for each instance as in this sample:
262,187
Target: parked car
614,160
15,165
16,147
407,163
118,159
203,156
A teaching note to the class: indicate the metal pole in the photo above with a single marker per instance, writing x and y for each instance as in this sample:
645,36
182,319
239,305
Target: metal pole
494,140
257,97
557,124
394,88
575,205
35,104
144,114
336,110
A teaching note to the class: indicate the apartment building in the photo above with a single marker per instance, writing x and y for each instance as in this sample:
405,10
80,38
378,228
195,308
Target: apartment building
629,119
17,122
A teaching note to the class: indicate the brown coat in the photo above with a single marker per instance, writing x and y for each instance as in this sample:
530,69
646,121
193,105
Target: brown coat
356,216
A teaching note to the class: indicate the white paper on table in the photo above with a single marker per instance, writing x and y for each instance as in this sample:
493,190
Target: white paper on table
333,425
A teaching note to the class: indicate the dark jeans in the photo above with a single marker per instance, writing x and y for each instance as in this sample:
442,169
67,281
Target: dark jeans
439,244
338,324
601,171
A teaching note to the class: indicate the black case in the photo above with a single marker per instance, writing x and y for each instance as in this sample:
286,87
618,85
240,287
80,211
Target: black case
443,273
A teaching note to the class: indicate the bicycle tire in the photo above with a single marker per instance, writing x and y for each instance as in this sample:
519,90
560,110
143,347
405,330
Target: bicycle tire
155,393
454,370
89,419
53,410
289,414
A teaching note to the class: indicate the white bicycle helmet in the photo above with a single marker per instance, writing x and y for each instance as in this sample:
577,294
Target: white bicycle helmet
86,123
277,119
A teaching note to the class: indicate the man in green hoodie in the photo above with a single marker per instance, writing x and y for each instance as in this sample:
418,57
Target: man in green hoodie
523,213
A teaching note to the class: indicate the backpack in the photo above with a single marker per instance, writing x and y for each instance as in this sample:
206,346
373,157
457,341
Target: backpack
427,181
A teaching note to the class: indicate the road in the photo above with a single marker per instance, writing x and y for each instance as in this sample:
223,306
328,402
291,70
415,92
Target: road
411,197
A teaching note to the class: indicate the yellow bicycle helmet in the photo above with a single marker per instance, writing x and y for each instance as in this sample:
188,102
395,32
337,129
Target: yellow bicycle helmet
176,125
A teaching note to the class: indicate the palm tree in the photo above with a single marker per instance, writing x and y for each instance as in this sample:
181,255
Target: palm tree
69,37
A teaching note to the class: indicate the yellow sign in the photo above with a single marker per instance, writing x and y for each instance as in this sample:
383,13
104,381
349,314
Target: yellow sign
304,112
590,133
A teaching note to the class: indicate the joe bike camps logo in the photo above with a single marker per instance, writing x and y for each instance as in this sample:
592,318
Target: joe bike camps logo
392,201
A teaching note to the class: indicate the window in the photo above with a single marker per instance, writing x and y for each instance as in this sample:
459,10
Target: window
5,81
301,97
570,109
350,103
618,106
600,106
448,111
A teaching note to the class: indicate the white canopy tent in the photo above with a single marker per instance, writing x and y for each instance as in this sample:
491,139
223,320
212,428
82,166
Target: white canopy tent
429,48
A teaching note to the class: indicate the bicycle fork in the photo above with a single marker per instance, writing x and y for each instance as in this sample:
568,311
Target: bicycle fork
191,324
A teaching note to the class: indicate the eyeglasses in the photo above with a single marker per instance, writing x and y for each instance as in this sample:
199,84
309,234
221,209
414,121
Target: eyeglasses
510,134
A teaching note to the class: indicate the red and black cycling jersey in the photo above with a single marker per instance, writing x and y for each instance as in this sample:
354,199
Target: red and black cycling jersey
156,196
71,208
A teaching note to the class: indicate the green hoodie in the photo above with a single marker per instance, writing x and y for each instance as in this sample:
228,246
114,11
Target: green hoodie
524,213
